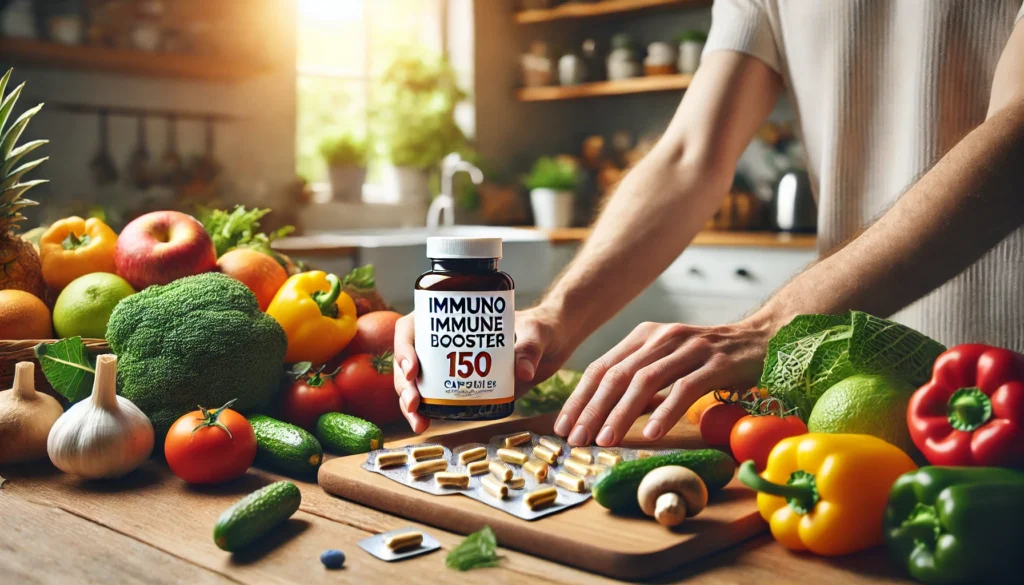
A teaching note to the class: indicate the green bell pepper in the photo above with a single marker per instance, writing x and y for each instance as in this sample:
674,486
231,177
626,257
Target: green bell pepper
958,524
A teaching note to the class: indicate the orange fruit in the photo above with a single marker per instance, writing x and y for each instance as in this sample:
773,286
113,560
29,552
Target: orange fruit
23,316
256,270
704,402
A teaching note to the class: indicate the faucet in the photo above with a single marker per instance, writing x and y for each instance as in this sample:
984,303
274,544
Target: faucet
445,202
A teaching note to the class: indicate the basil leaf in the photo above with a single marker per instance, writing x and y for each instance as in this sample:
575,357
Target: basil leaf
479,550
67,367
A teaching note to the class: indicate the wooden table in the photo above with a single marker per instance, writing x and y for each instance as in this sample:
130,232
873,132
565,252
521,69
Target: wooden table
152,528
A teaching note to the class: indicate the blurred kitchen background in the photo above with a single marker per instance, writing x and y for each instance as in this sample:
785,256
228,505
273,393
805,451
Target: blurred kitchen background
367,124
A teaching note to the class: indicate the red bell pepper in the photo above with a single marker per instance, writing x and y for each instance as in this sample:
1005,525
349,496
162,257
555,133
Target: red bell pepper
972,410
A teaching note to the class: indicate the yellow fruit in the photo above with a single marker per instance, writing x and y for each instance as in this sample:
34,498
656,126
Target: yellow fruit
84,306
23,316
20,268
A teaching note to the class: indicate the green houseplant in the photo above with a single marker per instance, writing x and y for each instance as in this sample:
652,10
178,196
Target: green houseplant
346,157
552,182
691,45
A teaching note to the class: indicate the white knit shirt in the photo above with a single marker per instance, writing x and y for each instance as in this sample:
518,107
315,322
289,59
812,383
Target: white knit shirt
883,89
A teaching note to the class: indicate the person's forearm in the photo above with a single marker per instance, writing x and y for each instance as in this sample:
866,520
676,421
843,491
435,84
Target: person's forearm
964,206
656,211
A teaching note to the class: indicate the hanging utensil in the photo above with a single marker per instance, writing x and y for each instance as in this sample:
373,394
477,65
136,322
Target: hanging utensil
170,163
138,169
102,166
208,168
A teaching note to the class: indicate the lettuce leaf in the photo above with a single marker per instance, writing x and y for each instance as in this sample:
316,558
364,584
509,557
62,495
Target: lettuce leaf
814,352
479,550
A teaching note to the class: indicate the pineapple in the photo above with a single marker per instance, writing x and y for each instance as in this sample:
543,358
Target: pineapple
19,262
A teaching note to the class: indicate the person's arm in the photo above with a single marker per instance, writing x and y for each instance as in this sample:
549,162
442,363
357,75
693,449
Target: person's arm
966,204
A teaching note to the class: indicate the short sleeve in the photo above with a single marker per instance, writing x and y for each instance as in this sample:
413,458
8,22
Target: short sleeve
1020,14
743,25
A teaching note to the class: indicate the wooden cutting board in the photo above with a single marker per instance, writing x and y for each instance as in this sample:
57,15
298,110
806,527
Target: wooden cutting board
586,536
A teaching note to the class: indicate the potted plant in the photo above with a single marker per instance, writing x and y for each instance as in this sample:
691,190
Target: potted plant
414,124
552,182
691,45
346,166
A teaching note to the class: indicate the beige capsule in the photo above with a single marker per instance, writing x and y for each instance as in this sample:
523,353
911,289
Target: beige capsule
581,454
550,445
542,497
595,470
544,454
608,458
516,483
512,456
570,482
576,468
403,541
429,452
392,459
472,455
452,479
537,468
517,439
428,467
494,487
644,454
478,467
500,470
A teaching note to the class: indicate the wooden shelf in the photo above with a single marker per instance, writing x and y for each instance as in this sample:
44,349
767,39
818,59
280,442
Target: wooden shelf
601,88
562,236
586,10
129,62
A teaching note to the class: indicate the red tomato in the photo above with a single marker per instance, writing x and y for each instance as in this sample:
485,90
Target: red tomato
716,423
375,333
754,437
367,384
210,446
308,397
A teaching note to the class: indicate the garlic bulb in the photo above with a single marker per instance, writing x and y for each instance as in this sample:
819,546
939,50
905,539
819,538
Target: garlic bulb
103,436
25,417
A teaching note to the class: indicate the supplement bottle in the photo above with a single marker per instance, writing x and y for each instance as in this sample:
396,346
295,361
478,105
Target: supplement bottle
464,316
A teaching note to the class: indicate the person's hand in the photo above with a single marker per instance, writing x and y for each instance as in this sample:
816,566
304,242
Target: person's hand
539,346
616,388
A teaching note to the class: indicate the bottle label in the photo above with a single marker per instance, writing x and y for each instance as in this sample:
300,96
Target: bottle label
465,344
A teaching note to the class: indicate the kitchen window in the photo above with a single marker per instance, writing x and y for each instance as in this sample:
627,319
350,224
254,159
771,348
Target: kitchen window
343,47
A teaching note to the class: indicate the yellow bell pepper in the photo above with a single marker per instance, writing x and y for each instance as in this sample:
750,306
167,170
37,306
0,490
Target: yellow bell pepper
827,493
318,318
73,247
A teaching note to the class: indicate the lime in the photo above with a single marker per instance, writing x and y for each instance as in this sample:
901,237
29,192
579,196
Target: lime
868,405
84,306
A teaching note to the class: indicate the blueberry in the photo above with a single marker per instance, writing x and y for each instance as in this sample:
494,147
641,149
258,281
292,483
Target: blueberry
333,559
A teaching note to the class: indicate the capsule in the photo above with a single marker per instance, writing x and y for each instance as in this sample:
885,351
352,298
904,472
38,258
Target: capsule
500,471
472,455
392,459
430,452
554,446
644,454
516,483
608,458
581,454
576,468
537,468
494,487
451,479
544,454
542,497
517,439
478,467
403,541
595,470
569,482
512,456
428,467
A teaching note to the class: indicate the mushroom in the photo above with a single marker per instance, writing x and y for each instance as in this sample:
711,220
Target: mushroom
671,493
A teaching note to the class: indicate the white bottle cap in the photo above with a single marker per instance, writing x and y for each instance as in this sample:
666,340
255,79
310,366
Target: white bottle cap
455,248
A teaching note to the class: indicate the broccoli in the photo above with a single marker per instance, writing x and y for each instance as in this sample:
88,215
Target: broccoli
200,340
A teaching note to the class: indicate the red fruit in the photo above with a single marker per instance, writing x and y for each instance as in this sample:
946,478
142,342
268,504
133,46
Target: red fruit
717,421
367,384
162,246
375,333
754,436
308,397
210,446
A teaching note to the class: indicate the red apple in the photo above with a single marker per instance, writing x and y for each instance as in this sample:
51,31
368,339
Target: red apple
162,246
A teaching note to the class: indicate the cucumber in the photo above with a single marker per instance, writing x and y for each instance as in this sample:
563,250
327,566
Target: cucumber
255,515
348,435
616,488
284,446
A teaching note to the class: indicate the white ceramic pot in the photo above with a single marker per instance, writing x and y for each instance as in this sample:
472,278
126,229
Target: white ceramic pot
551,208
689,56
347,183
409,187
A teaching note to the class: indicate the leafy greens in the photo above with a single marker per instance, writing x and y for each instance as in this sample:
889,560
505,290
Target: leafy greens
549,395
68,367
239,228
479,550
814,352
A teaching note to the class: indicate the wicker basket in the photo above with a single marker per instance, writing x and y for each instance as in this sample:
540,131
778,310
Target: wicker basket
23,350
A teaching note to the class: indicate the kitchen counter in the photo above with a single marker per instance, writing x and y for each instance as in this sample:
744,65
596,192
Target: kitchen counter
152,528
